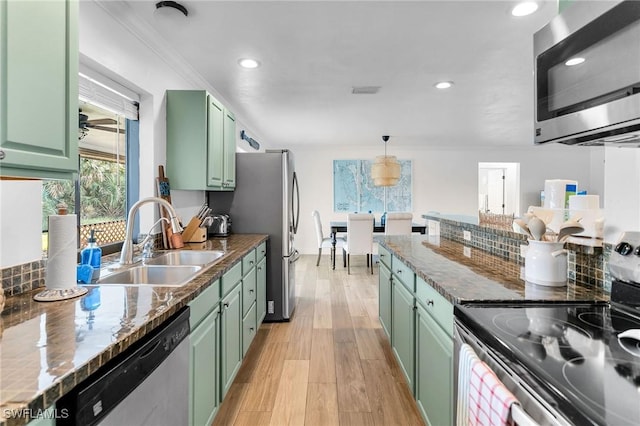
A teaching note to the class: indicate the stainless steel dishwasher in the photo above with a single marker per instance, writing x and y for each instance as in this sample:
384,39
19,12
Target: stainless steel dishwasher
146,385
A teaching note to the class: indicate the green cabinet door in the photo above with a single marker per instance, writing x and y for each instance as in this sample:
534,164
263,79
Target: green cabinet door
231,336
197,157
215,143
229,170
402,329
205,370
261,290
384,299
434,370
39,87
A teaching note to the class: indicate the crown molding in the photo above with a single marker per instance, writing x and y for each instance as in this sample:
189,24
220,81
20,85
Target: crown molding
122,13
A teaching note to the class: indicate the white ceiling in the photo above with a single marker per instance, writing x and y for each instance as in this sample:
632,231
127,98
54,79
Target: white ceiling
313,52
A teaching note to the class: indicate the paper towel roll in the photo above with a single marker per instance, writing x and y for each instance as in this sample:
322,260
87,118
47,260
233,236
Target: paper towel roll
584,202
63,252
555,193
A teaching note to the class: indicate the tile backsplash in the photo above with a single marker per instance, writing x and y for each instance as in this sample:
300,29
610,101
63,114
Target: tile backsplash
22,278
586,263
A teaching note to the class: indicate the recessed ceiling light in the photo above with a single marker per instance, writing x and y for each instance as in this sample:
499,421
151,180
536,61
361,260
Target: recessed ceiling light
524,8
443,84
574,61
248,63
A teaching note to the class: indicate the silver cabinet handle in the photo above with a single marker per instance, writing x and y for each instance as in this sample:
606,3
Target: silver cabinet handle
250,291
251,262
429,302
399,271
1,154
226,305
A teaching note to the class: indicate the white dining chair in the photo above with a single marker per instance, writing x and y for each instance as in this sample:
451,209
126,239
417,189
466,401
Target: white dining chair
322,240
359,238
398,224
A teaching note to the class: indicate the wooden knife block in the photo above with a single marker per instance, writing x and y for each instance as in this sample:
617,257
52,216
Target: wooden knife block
198,236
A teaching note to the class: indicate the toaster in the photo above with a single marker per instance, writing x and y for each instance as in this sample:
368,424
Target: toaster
220,226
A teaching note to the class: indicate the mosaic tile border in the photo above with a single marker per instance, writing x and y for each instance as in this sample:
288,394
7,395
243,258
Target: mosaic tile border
19,279
587,264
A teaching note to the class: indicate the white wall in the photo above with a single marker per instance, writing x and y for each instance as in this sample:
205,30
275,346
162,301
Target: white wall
444,180
622,192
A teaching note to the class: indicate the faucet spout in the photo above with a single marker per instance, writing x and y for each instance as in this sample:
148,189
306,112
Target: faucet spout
126,255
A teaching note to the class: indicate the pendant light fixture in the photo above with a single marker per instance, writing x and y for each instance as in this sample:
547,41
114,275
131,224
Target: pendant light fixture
385,171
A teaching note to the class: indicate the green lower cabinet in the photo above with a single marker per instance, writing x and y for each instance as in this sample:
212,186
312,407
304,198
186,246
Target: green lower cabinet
402,329
384,299
261,290
249,328
231,336
205,370
47,417
434,370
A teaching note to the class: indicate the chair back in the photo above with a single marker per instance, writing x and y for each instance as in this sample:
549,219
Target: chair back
360,233
398,224
318,225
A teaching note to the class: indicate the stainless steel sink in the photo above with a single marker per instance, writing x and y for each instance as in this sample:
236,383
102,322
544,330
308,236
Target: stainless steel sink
187,257
160,275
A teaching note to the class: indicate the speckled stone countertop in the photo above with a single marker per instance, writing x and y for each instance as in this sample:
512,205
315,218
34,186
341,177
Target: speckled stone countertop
479,277
47,348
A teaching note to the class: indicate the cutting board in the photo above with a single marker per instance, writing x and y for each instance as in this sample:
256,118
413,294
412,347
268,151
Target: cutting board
164,192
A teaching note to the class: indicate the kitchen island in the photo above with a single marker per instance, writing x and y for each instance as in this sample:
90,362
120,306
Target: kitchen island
421,279
48,348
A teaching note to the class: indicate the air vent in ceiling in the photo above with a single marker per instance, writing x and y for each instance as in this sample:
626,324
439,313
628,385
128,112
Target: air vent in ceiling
365,90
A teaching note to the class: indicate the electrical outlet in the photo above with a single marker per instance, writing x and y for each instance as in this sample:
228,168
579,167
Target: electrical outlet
466,235
270,308
466,251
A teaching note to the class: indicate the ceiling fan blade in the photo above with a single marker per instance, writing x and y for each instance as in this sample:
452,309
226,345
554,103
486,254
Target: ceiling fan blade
108,129
98,121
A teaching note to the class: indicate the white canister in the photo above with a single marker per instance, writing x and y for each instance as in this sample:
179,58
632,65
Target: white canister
546,264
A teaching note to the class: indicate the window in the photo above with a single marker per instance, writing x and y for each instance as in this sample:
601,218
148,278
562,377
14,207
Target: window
107,131
354,191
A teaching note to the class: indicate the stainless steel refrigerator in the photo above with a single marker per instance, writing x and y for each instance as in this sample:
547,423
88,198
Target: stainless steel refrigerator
267,201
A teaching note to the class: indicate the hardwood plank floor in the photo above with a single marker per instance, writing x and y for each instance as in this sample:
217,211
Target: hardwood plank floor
331,365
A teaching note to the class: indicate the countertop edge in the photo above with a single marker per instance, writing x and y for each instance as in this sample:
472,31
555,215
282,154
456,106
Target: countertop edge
48,396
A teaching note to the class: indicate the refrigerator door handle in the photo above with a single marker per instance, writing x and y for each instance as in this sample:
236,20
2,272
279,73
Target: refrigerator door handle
296,203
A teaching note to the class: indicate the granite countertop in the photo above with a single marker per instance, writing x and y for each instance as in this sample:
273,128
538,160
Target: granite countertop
46,348
479,276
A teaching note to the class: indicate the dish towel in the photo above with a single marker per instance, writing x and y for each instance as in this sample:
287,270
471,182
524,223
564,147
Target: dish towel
467,358
483,400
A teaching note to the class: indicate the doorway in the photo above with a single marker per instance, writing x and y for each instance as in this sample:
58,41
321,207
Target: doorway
499,188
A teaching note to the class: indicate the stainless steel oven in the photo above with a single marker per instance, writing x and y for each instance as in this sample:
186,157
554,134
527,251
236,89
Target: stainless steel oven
587,75
532,410
568,363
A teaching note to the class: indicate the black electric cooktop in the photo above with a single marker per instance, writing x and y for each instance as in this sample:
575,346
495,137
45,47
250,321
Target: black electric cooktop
570,353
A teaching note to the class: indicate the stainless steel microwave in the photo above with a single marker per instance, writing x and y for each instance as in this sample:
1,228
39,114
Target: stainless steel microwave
587,75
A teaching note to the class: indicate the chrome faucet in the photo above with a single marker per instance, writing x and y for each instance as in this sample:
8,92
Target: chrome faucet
126,256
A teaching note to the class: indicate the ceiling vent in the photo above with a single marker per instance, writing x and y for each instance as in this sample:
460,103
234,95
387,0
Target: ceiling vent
365,90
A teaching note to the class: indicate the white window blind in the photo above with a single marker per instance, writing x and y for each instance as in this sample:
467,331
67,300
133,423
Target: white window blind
105,93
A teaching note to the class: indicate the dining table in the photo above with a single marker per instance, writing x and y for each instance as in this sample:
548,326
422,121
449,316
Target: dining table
378,228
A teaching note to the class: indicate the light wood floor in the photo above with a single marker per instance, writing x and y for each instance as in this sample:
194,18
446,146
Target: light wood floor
330,365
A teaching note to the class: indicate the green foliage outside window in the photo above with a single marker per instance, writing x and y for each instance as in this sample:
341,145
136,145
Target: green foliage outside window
102,192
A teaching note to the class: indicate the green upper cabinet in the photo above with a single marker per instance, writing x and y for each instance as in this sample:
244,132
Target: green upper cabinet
215,143
229,172
200,142
39,89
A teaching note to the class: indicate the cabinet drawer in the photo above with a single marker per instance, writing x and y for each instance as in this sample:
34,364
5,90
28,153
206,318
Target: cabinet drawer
248,291
248,262
385,256
231,278
261,251
249,328
437,306
204,304
403,273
